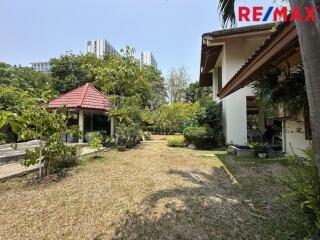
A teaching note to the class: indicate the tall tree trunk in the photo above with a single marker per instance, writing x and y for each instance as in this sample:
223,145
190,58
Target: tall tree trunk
309,38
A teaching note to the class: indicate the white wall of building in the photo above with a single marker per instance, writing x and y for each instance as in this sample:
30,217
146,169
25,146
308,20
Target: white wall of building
295,141
41,66
101,48
147,58
234,54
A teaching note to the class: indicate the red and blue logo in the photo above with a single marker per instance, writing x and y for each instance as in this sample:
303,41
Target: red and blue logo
259,13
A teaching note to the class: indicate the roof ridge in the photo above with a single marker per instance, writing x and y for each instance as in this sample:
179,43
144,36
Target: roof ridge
84,94
99,92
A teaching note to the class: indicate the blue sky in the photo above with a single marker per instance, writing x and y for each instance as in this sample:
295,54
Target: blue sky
36,30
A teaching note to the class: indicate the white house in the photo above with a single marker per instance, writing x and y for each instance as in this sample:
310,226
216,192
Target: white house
230,60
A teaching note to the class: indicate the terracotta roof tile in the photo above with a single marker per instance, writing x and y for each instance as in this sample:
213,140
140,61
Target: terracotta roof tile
86,96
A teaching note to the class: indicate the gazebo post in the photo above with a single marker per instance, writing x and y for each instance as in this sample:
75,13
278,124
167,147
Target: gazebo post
81,125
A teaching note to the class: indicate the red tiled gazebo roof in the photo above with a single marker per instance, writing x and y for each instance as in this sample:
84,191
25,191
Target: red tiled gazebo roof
84,97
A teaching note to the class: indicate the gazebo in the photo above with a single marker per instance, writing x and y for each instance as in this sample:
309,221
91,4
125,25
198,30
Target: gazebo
91,107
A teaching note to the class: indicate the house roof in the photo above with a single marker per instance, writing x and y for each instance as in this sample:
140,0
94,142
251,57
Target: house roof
84,97
246,29
210,54
281,44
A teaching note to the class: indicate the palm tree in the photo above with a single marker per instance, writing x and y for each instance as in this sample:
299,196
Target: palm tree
309,39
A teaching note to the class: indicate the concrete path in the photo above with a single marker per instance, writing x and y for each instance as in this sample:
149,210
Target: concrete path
16,169
8,154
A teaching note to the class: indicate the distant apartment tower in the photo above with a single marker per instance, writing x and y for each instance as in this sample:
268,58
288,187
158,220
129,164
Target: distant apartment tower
41,66
147,58
101,48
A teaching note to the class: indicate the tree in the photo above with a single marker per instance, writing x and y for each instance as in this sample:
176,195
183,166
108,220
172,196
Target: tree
71,71
48,128
158,90
10,98
177,83
126,84
28,84
194,92
174,117
309,39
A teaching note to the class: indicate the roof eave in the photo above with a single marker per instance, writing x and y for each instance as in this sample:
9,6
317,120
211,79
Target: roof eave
272,48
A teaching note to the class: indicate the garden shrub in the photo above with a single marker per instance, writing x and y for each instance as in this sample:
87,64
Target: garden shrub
96,142
71,158
304,187
173,118
176,141
128,135
195,135
3,138
146,136
211,119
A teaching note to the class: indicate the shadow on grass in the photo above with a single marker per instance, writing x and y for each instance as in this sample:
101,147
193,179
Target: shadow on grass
220,204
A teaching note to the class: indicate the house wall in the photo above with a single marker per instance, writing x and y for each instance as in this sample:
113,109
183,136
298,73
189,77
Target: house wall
295,141
234,54
215,79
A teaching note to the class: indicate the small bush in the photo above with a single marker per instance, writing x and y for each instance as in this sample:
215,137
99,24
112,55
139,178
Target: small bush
195,135
176,141
128,135
96,142
146,136
71,158
3,138
304,187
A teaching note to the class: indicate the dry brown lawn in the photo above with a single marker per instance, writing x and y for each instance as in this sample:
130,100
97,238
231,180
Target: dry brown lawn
153,192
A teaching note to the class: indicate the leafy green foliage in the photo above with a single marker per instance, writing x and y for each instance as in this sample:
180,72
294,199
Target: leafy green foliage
158,93
128,135
227,12
22,86
176,141
195,135
173,118
287,87
12,120
48,127
194,92
96,142
132,89
146,136
122,76
211,118
305,188
71,71
3,138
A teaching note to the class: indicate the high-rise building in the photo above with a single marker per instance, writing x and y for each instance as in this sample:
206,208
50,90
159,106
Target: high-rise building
147,58
41,66
101,48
